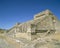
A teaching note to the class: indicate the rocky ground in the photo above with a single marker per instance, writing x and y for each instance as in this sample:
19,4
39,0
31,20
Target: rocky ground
49,41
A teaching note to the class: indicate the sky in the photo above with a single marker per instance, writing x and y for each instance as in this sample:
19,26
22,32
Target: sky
13,11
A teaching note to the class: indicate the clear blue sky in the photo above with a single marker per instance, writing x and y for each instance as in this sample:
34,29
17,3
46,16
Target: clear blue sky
13,11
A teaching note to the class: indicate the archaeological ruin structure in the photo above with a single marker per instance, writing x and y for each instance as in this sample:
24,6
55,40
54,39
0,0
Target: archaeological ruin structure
43,23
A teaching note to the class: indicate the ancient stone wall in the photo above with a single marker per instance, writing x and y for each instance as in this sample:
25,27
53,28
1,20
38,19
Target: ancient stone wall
42,21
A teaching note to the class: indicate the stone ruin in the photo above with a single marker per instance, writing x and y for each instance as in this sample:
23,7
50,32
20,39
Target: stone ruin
43,23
